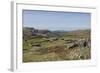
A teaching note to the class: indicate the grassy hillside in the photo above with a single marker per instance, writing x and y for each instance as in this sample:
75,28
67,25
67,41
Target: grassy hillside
45,45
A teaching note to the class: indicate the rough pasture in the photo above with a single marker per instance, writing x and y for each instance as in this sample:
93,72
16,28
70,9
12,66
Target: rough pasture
47,46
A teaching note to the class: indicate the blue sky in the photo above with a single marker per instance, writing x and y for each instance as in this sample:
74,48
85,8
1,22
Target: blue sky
53,20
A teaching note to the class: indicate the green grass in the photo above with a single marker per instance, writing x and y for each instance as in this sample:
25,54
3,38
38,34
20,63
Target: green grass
53,50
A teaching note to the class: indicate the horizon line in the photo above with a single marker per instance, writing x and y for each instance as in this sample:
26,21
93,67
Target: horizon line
59,30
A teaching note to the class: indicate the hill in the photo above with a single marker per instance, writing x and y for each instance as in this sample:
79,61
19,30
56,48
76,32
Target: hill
45,45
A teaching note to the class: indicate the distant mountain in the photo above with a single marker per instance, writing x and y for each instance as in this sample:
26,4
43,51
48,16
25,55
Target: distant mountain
32,32
29,32
80,33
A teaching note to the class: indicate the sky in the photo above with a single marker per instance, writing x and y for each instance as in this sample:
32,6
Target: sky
52,20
